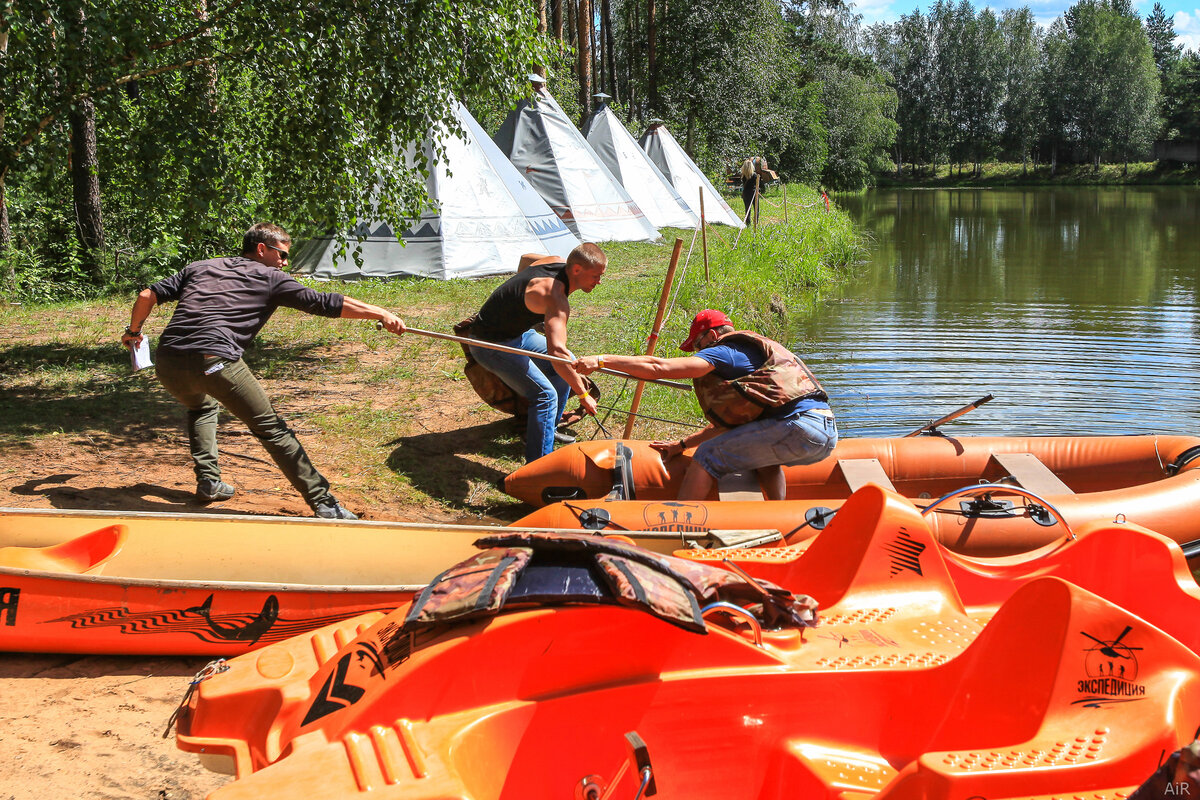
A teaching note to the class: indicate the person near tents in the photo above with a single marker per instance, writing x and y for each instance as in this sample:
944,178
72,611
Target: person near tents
765,406
749,187
755,175
537,294
223,303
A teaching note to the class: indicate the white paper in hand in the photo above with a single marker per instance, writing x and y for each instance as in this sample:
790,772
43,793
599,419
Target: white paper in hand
139,354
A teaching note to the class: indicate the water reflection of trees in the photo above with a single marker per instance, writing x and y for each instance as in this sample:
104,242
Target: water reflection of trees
1078,246
1076,307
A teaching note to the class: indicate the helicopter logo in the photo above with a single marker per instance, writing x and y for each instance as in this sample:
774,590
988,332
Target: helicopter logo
1111,666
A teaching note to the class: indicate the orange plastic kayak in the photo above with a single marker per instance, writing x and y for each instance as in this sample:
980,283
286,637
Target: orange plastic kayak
1149,480
900,692
206,584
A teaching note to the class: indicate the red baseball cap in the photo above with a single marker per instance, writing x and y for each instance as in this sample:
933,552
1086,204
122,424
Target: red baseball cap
704,322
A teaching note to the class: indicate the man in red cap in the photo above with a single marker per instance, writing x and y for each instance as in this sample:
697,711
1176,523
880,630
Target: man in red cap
766,407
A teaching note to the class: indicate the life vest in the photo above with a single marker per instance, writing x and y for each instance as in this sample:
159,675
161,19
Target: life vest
522,569
781,379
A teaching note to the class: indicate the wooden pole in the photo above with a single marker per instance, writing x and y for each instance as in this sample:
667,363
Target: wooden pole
653,341
757,186
785,218
703,235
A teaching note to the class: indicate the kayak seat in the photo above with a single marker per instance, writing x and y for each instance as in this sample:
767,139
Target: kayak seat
858,472
1160,589
832,773
877,545
1030,473
1061,690
82,555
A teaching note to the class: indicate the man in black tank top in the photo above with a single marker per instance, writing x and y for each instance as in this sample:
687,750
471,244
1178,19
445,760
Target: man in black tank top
538,294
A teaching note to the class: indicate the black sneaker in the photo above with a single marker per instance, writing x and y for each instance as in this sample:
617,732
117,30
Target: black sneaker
213,491
333,510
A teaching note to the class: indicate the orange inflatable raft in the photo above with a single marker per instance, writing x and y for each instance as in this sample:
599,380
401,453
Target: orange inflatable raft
1149,480
537,671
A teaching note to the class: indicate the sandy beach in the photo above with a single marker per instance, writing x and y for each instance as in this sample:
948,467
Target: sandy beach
90,727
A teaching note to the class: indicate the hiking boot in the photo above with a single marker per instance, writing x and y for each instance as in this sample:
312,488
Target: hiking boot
333,510
563,436
213,491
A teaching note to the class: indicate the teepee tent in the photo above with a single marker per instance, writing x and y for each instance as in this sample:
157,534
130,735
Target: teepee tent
553,155
628,162
483,216
685,176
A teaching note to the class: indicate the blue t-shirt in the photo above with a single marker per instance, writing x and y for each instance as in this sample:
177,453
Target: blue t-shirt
738,359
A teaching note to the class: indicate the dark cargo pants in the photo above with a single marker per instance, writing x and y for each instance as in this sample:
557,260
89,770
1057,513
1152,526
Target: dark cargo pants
205,383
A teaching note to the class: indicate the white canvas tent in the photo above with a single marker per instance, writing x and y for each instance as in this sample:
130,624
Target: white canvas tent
483,216
629,163
685,176
553,155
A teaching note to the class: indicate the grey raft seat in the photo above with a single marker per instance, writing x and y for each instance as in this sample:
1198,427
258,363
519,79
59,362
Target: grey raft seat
739,486
858,472
1030,473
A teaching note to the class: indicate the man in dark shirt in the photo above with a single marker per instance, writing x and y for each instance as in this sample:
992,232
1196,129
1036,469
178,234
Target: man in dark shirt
536,294
223,303
785,421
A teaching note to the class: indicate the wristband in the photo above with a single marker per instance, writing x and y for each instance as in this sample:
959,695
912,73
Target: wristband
599,362
130,332
682,446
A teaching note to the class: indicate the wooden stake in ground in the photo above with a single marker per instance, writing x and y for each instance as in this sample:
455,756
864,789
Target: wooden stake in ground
757,188
653,341
703,235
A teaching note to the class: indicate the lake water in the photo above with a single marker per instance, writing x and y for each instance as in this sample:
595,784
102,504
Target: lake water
1075,307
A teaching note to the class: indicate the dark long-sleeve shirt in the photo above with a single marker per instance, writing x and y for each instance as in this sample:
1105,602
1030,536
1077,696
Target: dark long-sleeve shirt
224,302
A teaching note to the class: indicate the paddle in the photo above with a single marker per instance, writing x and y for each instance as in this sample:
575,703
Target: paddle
933,424
503,348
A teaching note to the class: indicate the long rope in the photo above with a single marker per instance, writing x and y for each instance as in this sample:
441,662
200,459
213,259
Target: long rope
682,276
503,348
639,415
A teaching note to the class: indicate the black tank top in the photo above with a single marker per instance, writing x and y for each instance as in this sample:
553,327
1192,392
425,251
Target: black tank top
504,315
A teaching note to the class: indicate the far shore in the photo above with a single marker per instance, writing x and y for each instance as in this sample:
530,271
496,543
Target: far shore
1149,173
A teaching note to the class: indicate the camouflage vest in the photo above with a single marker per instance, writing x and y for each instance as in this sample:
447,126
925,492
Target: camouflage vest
540,569
781,379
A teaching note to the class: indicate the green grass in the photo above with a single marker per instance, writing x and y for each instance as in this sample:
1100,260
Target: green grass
63,371
1148,173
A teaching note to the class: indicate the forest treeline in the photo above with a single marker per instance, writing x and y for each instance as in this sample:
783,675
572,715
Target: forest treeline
1099,84
135,135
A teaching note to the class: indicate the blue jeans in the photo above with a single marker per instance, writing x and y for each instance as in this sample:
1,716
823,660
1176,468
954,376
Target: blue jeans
801,439
536,381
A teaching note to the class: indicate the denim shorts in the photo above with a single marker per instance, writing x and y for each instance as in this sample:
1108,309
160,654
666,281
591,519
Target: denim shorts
801,439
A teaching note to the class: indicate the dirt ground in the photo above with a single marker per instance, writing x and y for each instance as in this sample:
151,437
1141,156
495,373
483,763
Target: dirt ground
91,727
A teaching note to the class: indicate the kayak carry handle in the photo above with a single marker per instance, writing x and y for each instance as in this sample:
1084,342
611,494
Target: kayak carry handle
641,757
737,611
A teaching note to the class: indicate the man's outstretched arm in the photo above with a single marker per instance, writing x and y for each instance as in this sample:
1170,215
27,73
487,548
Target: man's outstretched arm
357,309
